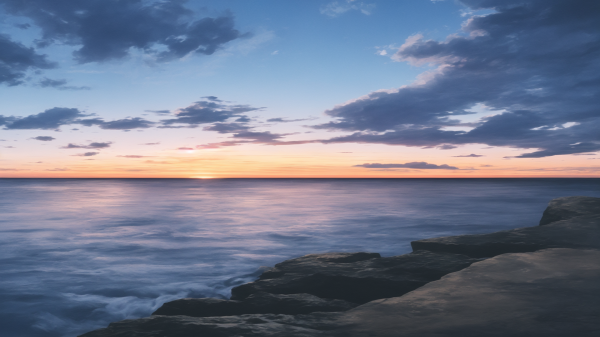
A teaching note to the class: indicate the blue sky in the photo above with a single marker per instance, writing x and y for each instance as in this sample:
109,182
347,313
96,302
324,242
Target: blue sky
316,69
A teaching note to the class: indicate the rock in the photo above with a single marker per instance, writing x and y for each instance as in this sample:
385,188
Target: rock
259,303
354,277
553,292
570,207
266,325
200,307
579,232
537,281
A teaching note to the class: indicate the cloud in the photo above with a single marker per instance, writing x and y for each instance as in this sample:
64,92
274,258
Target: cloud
150,143
107,30
16,60
534,65
284,120
50,119
185,148
59,84
228,127
472,155
120,124
44,138
133,156
159,112
421,165
54,118
337,8
211,110
93,145
86,154
127,124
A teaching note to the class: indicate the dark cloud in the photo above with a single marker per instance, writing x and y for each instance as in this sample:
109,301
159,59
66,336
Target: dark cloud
86,154
208,111
228,127
259,137
5,120
421,165
50,119
535,64
44,138
243,119
472,155
127,124
106,30
56,117
150,144
16,60
59,84
93,145
185,148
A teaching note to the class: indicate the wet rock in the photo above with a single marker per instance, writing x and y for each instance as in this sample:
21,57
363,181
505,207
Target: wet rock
570,207
259,303
579,232
568,222
200,307
553,292
354,277
265,325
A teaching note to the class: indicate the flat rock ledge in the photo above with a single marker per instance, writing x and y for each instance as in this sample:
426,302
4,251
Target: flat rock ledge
534,281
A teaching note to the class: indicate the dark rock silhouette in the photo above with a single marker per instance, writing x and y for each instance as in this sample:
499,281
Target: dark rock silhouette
345,276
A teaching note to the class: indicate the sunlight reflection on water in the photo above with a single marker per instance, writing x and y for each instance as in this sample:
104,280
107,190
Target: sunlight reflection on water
78,254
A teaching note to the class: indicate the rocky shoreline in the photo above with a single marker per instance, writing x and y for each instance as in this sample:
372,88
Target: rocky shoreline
533,281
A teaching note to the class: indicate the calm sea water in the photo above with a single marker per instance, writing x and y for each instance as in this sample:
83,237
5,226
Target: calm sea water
77,254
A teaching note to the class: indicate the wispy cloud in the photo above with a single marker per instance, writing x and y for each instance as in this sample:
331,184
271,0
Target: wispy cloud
472,155
412,165
337,8
92,145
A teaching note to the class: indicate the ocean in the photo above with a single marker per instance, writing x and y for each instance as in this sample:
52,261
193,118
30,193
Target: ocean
77,254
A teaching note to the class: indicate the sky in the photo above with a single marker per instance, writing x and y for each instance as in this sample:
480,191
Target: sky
294,89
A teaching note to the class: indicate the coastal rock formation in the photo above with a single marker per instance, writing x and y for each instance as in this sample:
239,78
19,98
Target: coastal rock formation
569,208
535,281
258,303
265,325
570,222
553,292
354,277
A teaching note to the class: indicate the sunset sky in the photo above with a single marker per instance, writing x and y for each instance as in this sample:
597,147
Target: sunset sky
311,88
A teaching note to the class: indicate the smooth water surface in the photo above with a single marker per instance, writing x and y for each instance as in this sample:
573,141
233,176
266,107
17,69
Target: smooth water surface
77,254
